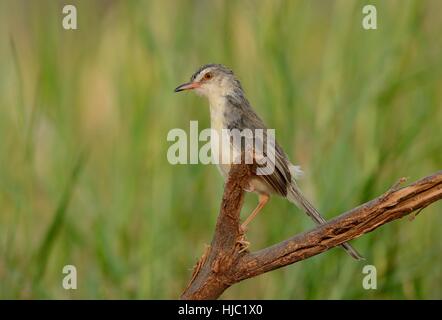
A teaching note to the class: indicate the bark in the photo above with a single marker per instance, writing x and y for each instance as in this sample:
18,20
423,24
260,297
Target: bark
223,265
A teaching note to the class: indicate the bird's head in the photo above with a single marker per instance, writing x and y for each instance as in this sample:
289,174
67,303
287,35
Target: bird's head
212,81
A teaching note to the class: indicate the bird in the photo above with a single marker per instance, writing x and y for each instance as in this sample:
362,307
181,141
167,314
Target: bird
229,110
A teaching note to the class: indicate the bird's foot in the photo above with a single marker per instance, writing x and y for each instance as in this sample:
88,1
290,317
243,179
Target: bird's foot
242,242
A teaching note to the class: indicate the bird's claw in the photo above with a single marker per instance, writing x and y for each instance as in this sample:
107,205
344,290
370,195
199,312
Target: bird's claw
243,243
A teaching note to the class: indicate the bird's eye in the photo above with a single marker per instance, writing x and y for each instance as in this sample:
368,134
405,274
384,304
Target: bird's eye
208,76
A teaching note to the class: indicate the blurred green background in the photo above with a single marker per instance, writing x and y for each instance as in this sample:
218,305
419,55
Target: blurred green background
84,116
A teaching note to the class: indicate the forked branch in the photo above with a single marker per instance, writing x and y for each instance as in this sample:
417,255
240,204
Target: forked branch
223,264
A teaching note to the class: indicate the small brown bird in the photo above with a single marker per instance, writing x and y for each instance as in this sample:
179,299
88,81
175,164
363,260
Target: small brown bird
229,110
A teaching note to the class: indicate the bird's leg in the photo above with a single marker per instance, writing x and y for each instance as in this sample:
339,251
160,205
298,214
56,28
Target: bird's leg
244,244
263,199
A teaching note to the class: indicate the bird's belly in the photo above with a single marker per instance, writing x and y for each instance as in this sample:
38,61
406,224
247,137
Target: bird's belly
256,184
224,156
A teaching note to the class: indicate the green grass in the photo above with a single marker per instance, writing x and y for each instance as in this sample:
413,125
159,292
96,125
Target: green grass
356,109
57,222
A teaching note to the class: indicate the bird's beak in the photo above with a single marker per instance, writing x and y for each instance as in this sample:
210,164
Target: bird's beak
187,86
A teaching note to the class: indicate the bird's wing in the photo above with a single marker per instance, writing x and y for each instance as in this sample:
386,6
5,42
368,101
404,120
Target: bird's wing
275,170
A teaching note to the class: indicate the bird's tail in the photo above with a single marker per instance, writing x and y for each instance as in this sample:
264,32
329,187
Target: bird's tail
295,196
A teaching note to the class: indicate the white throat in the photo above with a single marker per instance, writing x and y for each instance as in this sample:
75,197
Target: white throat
217,108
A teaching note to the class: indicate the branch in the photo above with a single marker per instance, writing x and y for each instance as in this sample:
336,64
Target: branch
223,264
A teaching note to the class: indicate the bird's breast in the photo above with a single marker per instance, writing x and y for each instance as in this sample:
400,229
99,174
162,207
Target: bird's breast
222,153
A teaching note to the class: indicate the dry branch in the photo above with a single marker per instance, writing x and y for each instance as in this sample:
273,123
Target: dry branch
222,265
